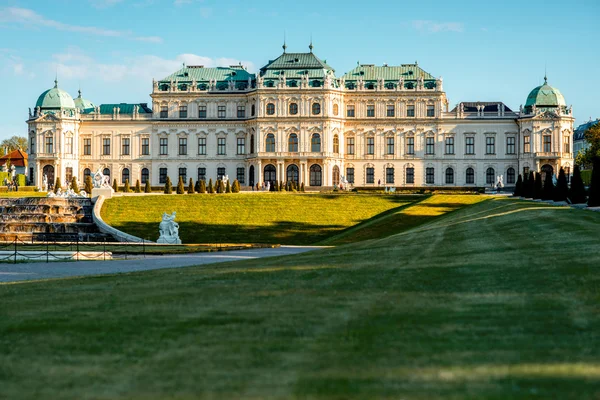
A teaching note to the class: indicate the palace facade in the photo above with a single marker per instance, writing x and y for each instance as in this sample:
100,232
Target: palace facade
295,120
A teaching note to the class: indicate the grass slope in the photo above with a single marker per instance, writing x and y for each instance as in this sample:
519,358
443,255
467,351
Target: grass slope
498,300
282,218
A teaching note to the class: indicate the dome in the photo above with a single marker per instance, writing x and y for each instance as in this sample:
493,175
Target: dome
55,98
82,104
545,96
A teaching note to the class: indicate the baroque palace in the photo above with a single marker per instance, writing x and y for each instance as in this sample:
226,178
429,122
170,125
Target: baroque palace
294,120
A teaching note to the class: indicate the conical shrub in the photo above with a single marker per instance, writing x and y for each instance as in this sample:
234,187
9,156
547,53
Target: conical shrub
518,186
168,186
577,192
594,200
561,191
548,189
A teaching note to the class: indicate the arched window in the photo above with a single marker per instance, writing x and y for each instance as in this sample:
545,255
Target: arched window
470,179
336,176
293,143
270,174
270,143
125,175
316,109
270,109
449,176
336,144
252,143
315,143
292,173
145,175
315,175
293,109
510,176
106,172
335,109
253,109
489,176
86,173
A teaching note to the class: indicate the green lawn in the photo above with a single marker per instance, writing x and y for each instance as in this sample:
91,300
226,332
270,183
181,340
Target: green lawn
499,300
282,218
23,193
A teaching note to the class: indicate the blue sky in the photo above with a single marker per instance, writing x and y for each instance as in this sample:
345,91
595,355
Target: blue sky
487,51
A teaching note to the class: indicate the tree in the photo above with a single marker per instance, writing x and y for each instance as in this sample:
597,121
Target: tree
577,192
592,137
197,186
57,185
518,187
280,188
594,199
74,185
14,143
180,186
228,187
537,186
530,185
210,188
168,186
548,189
138,188
126,188
561,191
235,188
89,185
220,187
302,187
115,186
191,189
147,187
202,188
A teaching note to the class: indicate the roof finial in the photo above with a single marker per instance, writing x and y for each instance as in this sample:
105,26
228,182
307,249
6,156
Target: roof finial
56,79
310,46
284,45
545,75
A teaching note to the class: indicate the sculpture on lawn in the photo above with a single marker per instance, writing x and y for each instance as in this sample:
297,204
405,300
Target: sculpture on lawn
168,229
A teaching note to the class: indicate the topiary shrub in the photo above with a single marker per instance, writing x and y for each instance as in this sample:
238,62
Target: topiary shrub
180,186
74,185
197,187
302,187
235,188
561,191
594,199
228,187
518,186
548,189
220,186
115,186
126,188
168,186
530,185
138,188
210,187
577,192
147,187
57,185
537,186
191,189
89,185
202,187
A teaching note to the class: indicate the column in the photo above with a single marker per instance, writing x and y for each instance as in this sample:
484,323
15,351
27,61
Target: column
258,173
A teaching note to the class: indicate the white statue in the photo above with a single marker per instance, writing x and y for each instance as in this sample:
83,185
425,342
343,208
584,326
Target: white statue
225,179
45,182
100,180
169,229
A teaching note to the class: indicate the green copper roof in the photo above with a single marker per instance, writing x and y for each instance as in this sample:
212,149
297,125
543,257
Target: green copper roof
55,98
368,72
82,103
201,74
124,108
545,96
297,61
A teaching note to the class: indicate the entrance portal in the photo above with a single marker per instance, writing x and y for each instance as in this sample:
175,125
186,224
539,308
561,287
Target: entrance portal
48,171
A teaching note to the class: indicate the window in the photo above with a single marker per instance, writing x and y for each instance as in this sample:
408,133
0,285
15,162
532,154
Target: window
292,173
489,176
429,175
183,174
316,109
182,146
371,145
370,110
221,112
220,173
162,175
202,174
69,173
293,143
315,143
449,145
470,145
470,176
253,110
315,175
526,144
510,145
106,172
336,144
449,176
241,112
240,175
241,145
31,149
370,175
202,146
164,112
106,146
389,175
490,145
163,146
145,175
510,176
125,175
68,145
430,111
270,109
221,146
125,146
391,110
350,175
410,145
410,111
182,111
410,175
251,144
566,144
335,109
350,145
201,111
547,143
293,108
350,111
389,146
430,145
145,146
270,143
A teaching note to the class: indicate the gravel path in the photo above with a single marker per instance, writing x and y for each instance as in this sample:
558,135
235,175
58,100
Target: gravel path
31,271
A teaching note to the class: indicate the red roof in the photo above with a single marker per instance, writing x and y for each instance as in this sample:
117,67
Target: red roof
18,158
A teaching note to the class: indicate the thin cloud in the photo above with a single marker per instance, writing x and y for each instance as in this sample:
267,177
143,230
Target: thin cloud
104,3
436,27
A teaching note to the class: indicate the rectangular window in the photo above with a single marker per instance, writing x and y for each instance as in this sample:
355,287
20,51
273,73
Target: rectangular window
410,175
222,113
370,175
202,146
145,146
391,110
389,146
547,143
350,175
370,110
389,175
510,145
202,174
125,146
241,112
430,111
182,146
31,146
220,172
430,145
350,145
201,111
183,174
526,144
410,111
370,145
164,112
68,145
241,146
164,146
410,145
470,145
490,145
350,111
49,145
450,145
182,111
162,175
221,146
87,147
106,146
240,175
566,144
429,177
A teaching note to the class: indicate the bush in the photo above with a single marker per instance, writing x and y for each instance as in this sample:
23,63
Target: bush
74,185
197,187
302,187
147,187
168,186
577,191
518,187
126,188
138,188
548,189
228,187
235,188
115,186
202,188
210,188
530,185
561,191
219,186
594,200
57,185
180,186
88,185
191,189
537,188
